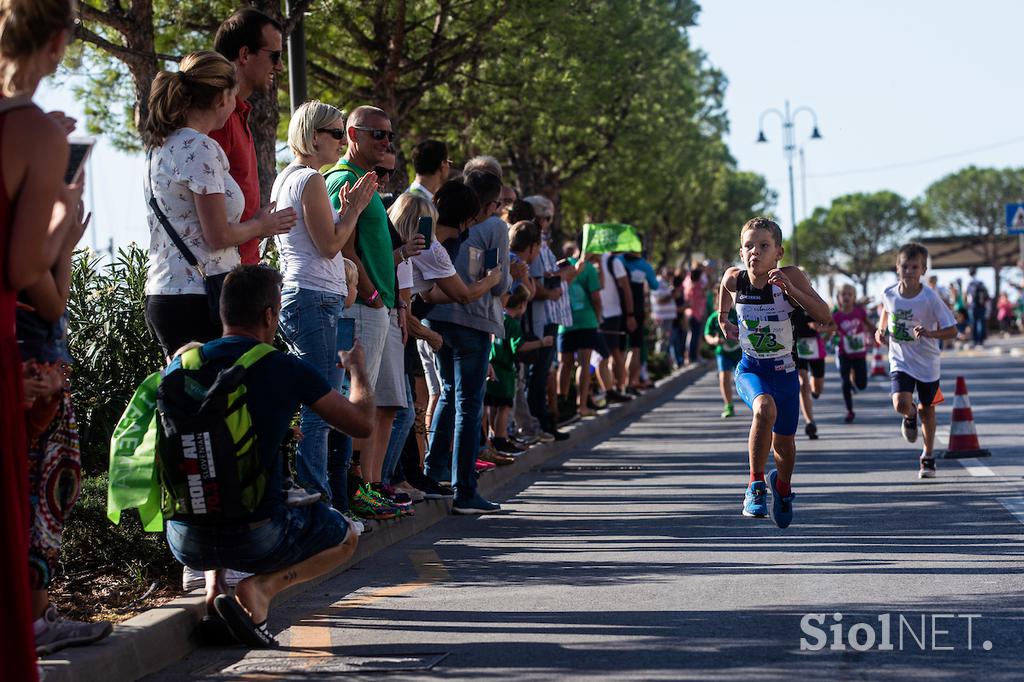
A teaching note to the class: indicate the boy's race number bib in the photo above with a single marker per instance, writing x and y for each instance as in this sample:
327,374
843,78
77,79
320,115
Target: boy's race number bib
901,328
766,339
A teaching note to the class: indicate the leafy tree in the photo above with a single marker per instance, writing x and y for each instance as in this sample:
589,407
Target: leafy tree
125,44
850,236
970,203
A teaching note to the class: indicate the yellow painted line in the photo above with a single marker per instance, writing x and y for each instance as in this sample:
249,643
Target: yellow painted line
311,639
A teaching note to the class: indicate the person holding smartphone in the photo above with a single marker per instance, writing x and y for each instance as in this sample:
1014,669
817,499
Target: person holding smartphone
37,213
312,265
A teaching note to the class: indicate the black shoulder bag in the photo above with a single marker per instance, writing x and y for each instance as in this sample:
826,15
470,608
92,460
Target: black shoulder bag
213,284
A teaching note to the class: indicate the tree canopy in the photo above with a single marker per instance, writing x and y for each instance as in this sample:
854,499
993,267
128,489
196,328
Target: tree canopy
601,105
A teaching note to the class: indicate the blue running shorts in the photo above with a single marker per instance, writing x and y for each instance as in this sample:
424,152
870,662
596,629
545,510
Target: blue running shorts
725,363
777,378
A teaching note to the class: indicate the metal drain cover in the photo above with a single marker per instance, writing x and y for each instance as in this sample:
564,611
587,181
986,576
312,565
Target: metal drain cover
284,667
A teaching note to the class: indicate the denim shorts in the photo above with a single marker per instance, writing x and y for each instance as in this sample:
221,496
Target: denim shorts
292,535
776,378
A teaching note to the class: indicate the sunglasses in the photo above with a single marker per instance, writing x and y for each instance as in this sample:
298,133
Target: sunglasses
275,55
377,133
382,172
336,133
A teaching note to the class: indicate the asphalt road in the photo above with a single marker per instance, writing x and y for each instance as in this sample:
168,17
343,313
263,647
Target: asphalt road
640,565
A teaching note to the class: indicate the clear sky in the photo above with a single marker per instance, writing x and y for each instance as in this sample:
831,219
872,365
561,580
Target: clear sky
905,92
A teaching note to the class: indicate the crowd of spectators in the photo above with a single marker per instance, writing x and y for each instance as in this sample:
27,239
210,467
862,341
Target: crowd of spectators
402,344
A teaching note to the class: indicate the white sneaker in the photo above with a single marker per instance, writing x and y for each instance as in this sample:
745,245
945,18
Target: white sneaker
297,496
191,579
354,523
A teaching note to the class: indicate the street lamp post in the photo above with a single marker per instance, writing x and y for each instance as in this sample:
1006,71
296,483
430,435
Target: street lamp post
788,119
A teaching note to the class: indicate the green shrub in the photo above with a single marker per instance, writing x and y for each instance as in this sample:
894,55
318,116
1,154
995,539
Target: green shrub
113,350
123,552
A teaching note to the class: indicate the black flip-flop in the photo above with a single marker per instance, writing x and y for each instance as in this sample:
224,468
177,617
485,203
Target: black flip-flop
241,625
213,631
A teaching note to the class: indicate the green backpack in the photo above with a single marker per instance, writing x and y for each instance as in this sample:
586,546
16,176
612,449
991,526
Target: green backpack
209,464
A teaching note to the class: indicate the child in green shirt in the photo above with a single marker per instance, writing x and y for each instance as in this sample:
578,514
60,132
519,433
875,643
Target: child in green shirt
501,390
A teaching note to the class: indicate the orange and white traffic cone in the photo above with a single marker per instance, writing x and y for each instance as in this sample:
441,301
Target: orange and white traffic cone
878,368
963,438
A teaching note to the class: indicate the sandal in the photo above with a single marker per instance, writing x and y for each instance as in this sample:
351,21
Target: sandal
255,635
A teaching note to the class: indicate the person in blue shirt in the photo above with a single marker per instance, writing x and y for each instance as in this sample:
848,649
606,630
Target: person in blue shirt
280,545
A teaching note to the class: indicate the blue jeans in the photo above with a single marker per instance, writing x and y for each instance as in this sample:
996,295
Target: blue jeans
462,365
979,321
309,323
290,535
404,419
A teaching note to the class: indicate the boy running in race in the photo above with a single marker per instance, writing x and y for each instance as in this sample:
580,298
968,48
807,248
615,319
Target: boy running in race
765,297
913,322
727,354
851,318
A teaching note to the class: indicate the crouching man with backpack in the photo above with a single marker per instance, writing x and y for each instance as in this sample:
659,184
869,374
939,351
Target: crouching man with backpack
223,410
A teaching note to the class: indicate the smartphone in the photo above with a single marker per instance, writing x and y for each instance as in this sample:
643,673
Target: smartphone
425,227
490,259
564,263
552,282
346,333
80,151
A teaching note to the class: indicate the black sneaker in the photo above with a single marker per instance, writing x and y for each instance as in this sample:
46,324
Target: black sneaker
634,392
909,429
927,468
616,397
434,490
567,417
811,430
559,435
506,447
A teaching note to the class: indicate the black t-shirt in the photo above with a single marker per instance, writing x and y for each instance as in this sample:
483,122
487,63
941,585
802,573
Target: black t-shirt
275,388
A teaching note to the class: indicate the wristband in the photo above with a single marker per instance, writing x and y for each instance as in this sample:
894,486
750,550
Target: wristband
373,296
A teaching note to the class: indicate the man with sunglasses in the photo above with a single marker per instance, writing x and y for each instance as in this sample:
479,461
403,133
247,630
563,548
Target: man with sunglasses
252,41
377,309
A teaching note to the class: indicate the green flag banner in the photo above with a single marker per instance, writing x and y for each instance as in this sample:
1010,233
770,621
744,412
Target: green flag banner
133,477
607,237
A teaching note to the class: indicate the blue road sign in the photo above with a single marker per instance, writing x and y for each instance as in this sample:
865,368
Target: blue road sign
1015,219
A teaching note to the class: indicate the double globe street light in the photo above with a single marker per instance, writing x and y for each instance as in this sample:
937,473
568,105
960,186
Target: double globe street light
788,119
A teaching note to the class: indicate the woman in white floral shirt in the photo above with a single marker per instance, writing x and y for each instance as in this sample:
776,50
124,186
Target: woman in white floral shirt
187,173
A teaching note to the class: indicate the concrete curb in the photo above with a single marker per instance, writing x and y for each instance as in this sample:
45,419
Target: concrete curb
158,637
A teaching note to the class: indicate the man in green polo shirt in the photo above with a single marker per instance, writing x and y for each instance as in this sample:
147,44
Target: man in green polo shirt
377,306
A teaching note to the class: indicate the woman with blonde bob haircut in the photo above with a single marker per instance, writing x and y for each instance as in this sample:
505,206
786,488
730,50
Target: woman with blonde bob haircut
312,265
190,193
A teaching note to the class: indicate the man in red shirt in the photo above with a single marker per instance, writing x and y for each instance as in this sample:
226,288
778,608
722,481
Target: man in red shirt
253,42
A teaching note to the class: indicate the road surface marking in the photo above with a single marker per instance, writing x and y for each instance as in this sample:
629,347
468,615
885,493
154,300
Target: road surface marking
1014,505
976,468
314,639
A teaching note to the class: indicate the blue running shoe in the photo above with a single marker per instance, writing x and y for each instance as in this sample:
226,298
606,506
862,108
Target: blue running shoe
782,507
755,501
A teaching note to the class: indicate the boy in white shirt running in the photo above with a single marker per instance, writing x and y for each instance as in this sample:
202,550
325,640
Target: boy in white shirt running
913,323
